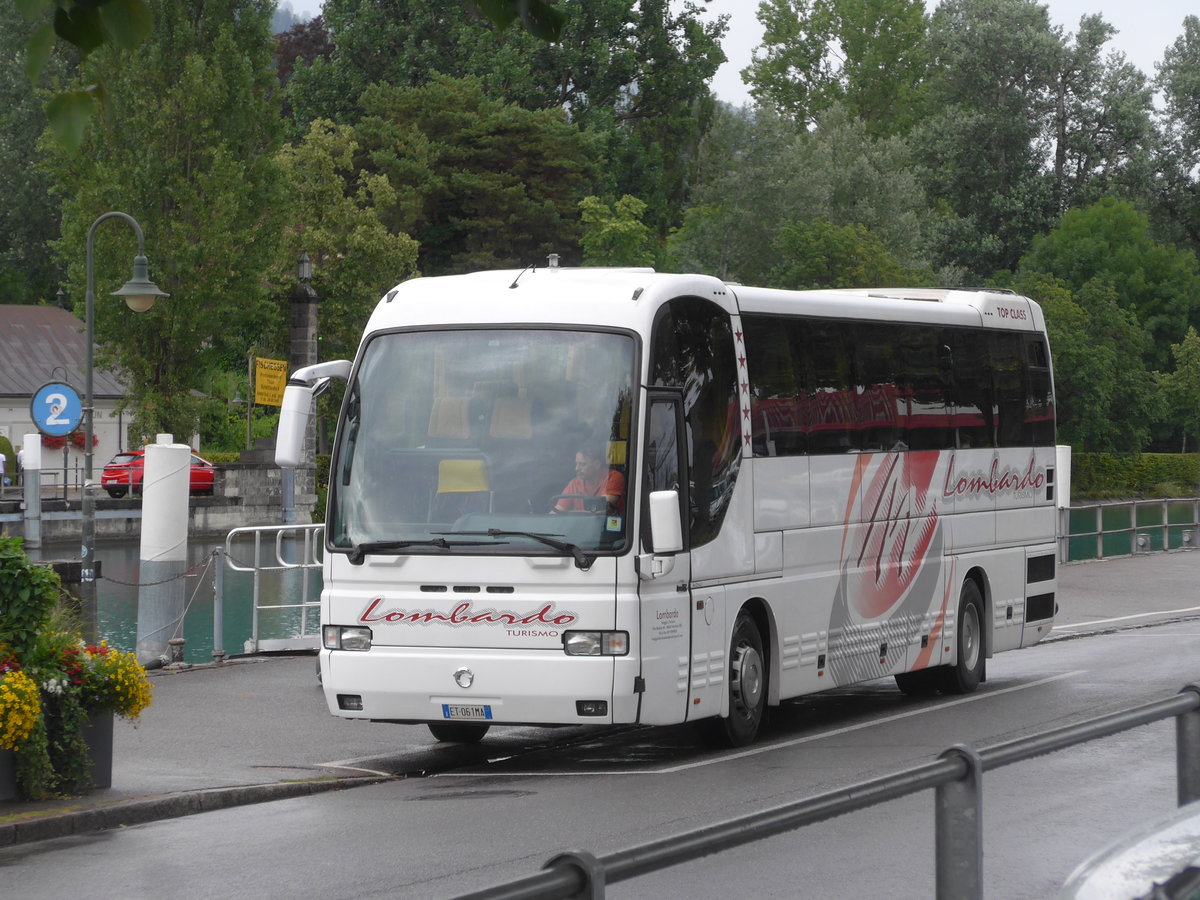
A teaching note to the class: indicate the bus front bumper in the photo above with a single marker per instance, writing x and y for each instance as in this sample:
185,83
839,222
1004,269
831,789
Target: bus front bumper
500,687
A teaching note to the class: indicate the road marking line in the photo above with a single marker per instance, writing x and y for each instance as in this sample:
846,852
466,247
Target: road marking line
783,745
1165,612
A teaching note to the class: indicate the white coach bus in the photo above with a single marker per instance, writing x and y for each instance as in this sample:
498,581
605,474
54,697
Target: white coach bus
601,496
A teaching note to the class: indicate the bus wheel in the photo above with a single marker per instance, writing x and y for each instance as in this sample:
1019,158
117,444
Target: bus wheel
458,732
747,688
965,675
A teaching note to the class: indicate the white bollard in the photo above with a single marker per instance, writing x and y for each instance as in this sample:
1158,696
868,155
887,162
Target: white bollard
161,598
31,487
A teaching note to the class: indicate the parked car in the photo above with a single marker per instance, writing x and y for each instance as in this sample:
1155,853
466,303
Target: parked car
126,470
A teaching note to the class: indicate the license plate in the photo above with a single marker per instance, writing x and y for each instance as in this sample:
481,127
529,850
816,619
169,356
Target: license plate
459,711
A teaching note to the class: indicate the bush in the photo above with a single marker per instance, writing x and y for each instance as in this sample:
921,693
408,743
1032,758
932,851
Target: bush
1110,475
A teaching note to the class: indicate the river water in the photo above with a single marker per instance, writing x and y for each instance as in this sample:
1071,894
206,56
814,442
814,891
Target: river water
117,597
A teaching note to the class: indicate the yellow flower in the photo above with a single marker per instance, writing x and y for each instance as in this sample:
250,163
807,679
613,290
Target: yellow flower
20,709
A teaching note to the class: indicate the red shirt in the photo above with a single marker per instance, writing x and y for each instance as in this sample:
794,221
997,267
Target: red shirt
613,485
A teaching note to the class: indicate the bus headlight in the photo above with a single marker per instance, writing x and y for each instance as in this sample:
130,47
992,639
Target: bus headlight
596,643
346,637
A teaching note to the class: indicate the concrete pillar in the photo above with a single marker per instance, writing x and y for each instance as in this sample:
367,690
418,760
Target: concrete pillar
161,597
303,352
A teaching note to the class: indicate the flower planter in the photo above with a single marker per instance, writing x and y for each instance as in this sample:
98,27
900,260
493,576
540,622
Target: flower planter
8,775
98,735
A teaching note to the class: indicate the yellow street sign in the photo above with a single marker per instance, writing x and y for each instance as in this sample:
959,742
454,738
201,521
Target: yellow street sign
270,378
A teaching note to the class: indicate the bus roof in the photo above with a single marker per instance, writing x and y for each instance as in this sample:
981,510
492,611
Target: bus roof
628,297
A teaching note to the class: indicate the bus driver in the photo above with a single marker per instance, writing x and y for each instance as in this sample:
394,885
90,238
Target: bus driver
593,478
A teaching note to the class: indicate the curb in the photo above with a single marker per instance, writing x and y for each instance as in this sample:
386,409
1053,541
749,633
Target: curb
169,806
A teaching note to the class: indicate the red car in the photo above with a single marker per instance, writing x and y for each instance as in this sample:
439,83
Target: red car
126,470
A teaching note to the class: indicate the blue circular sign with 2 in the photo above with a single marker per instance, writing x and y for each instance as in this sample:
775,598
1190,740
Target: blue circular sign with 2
56,409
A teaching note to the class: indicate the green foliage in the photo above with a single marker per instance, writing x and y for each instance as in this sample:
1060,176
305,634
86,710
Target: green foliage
86,26
348,219
994,62
1129,475
1106,397
539,18
614,235
318,513
869,56
1111,241
1179,82
755,171
632,73
1181,388
818,254
480,183
29,216
218,457
28,595
188,149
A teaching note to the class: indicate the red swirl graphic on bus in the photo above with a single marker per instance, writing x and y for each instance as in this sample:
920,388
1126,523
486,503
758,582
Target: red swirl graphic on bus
900,523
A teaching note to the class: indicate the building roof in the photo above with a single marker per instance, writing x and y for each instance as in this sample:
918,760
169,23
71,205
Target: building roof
44,343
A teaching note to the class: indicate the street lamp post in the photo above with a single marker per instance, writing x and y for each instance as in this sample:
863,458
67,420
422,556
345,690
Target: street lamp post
139,293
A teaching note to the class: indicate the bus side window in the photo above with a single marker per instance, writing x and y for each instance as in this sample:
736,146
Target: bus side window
829,361
971,390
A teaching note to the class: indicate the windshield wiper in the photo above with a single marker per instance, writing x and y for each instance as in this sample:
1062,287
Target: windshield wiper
359,551
582,560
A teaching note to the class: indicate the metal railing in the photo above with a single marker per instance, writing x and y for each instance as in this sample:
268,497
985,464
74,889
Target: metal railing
1125,528
291,551
955,776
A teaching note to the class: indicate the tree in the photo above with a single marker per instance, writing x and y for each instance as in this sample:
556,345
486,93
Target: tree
1181,388
29,216
1102,131
88,25
84,25
1179,81
633,72
818,254
755,174
745,174
1111,241
983,145
1106,398
869,56
188,148
615,235
480,183
336,221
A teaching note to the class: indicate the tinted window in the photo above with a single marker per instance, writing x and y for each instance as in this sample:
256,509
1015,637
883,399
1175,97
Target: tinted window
779,393
835,386
693,351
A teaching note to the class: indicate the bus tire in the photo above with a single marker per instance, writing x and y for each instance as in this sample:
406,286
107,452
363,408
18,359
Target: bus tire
458,732
967,672
747,688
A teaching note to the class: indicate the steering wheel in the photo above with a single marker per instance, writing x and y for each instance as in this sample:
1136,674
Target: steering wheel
591,504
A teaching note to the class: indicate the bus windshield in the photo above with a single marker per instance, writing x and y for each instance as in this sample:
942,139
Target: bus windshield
499,440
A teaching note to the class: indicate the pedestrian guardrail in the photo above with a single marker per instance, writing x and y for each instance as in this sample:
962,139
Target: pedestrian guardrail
1125,528
284,562
955,776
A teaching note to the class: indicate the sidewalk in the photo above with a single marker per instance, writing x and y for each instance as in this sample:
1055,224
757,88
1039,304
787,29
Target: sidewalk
258,729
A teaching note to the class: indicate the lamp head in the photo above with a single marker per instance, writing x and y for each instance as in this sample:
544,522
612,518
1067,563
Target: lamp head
139,291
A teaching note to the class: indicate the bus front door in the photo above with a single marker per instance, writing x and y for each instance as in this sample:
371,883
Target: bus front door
664,578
